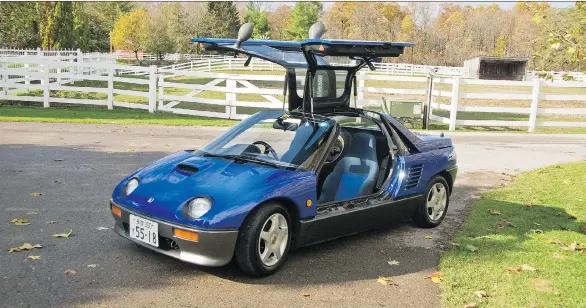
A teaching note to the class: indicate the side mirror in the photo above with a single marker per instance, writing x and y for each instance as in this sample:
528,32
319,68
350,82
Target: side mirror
286,126
244,33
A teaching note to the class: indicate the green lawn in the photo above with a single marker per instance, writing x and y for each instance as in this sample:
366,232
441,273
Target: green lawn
542,224
97,115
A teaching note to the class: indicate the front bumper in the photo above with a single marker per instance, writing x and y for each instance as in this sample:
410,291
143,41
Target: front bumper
214,248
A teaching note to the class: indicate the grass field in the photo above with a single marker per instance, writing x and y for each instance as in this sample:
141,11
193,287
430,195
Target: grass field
532,254
97,115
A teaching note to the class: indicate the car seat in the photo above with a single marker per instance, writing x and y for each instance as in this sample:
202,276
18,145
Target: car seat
355,174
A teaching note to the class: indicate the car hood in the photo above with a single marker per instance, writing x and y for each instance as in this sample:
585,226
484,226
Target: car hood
168,184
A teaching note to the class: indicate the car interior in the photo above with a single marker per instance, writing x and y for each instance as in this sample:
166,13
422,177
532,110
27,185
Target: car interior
358,163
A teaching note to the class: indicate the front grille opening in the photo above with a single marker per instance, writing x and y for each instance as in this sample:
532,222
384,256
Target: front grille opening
167,243
126,227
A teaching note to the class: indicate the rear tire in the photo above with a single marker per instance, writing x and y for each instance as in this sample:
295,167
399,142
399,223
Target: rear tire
431,212
264,240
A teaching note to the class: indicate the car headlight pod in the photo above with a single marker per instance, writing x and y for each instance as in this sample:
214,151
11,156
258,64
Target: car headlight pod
131,186
197,207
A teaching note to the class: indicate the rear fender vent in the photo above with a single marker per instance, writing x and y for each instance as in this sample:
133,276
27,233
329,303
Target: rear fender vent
413,176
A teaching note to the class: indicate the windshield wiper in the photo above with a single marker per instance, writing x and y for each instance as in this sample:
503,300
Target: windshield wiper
242,158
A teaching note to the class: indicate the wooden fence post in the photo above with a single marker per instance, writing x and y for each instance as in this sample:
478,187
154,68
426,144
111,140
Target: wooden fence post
534,104
46,84
110,87
454,105
161,91
230,98
153,89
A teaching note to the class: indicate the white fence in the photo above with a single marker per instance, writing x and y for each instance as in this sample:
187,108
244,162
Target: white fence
34,80
557,76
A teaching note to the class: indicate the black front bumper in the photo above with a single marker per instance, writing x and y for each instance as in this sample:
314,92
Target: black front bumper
214,248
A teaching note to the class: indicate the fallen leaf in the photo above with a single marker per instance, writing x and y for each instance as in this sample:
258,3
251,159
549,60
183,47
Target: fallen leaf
471,248
515,269
527,267
470,305
436,277
583,228
455,244
23,247
32,213
69,272
386,281
51,222
36,194
20,221
92,265
63,235
481,293
305,294
33,257
572,217
57,182
102,228
428,237
483,237
393,262
537,224
559,256
129,150
494,212
573,247
536,230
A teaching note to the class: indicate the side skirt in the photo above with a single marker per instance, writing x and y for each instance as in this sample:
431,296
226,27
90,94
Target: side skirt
338,223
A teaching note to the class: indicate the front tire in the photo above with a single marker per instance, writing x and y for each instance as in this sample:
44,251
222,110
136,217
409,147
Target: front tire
433,209
264,240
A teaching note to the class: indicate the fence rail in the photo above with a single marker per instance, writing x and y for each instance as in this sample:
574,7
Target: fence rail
38,79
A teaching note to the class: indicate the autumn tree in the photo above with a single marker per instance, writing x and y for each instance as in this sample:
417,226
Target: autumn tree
131,31
338,19
279,21
304,15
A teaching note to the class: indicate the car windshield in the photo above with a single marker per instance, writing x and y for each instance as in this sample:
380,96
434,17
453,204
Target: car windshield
273,138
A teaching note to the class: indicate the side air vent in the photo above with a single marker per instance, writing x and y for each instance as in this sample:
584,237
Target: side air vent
186,169
413,176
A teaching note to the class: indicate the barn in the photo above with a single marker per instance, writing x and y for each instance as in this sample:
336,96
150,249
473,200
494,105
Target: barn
497,68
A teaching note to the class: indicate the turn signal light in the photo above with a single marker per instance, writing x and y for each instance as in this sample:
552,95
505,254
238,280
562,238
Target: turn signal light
186,235
116,211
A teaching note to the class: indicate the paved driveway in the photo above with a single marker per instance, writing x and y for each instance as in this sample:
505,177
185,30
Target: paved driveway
75,168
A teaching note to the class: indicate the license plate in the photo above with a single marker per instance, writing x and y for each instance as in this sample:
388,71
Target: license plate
144,230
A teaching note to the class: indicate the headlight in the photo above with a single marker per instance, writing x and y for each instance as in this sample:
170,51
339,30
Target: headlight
198,207
131,186
453,156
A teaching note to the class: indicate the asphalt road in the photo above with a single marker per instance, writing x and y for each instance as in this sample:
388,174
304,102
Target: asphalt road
75,167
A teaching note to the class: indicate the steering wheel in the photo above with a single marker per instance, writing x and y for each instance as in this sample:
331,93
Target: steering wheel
268,149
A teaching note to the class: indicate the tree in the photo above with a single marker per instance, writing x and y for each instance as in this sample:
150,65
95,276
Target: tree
175,22
279,21
304,15
158,40
220,20
338,19
131,31
19,26
56,24
260,21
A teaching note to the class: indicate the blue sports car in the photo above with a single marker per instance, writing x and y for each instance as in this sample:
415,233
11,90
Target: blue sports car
283,179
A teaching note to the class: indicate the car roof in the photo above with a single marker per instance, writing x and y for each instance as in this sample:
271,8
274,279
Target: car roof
291,54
